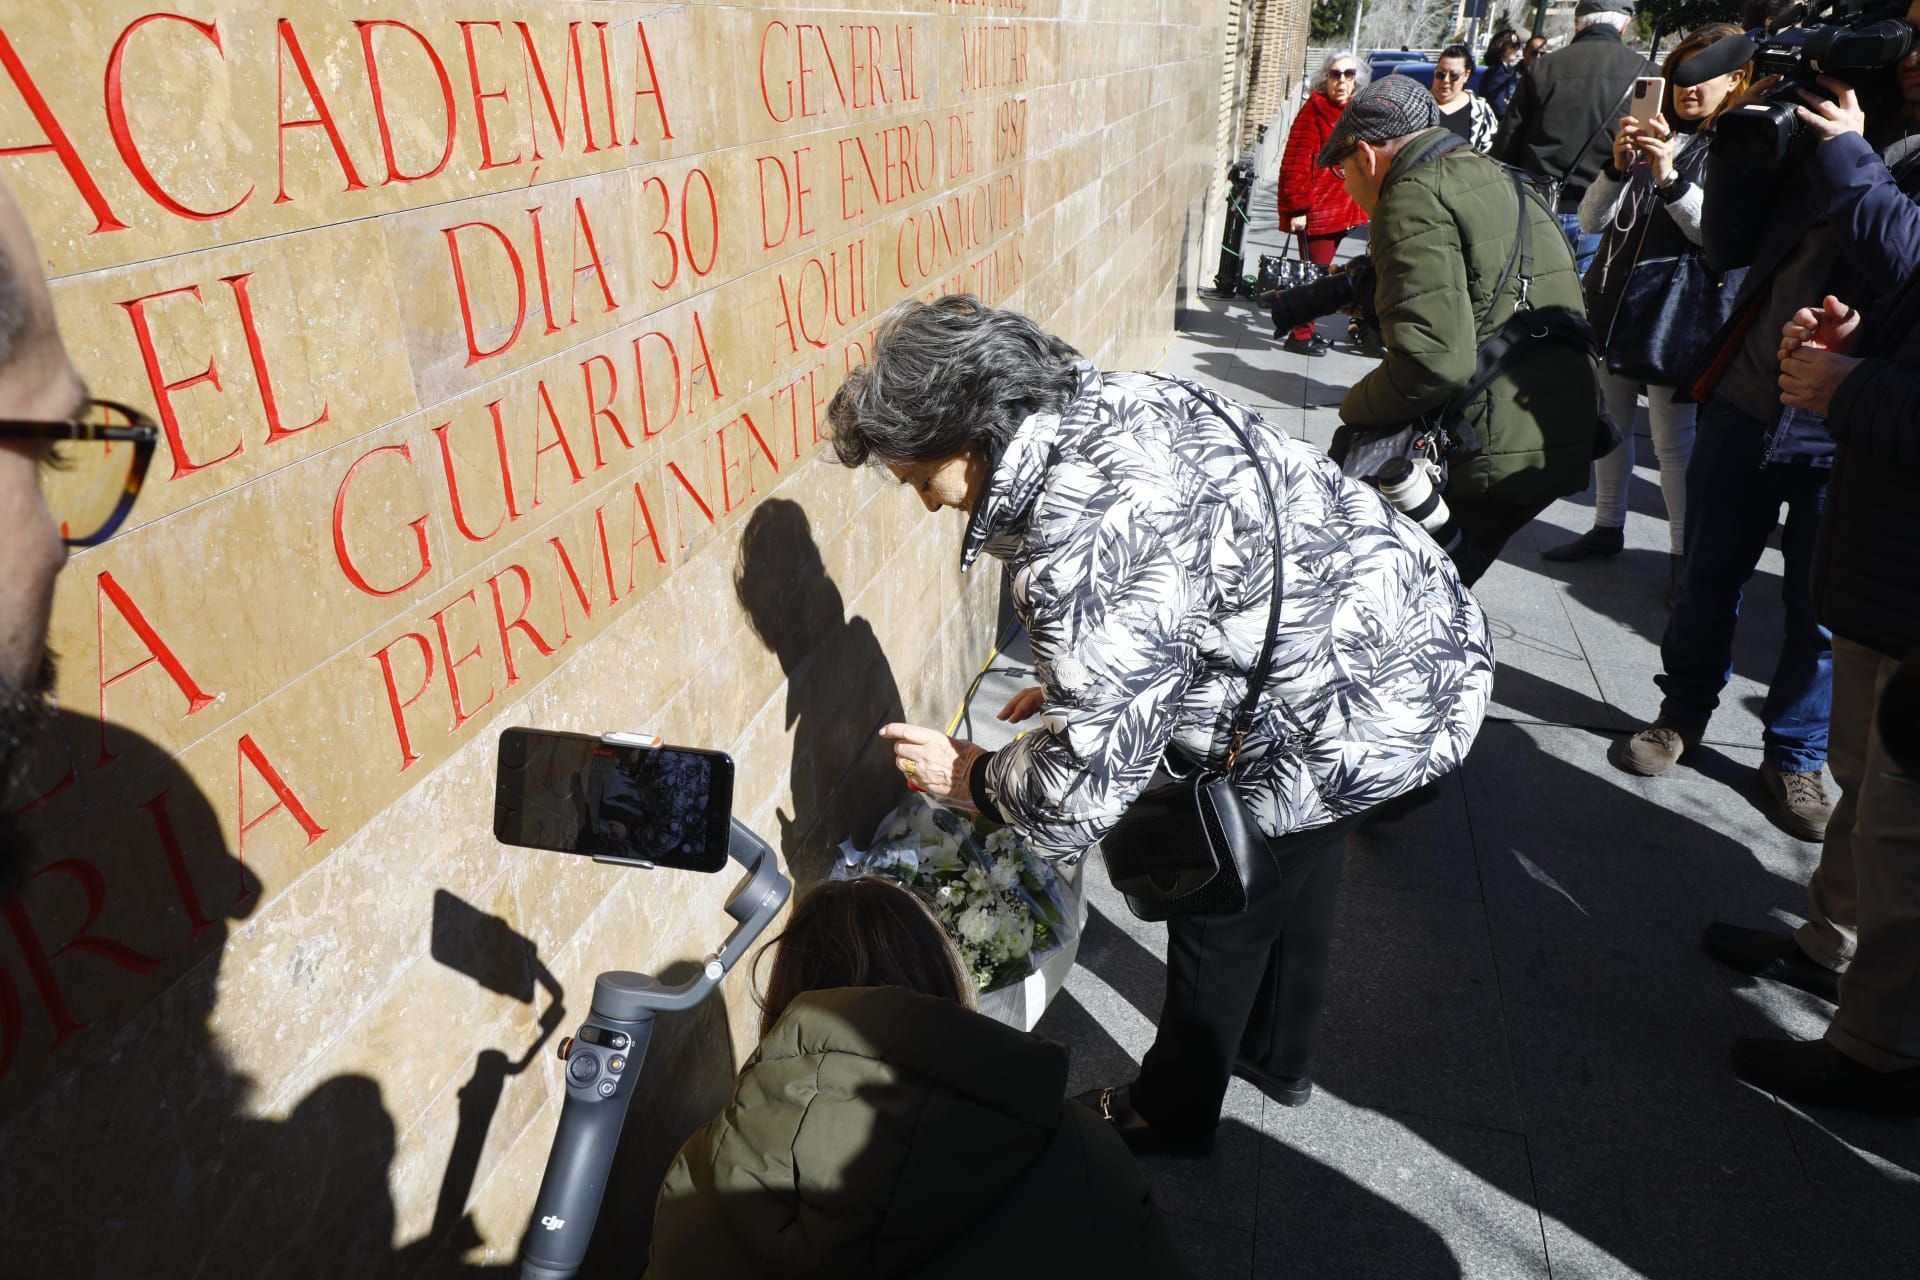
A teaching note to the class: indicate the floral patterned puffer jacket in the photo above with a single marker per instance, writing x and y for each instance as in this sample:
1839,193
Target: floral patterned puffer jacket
1141,556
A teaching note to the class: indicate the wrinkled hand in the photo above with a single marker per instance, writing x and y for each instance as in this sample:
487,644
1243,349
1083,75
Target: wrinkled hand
1831,117
1829,326
1022,705
933,762
1810,376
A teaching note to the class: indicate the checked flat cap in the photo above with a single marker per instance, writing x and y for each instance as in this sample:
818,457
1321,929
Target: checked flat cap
1391,107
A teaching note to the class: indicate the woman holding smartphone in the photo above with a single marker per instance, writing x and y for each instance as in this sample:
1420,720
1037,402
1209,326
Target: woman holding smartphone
1647,201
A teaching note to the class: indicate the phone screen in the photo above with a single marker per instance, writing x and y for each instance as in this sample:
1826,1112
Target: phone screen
579,794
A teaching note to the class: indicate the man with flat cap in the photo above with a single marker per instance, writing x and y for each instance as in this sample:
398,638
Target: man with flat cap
1451,267
1561,124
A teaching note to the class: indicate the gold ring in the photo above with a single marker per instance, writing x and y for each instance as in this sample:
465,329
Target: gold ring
908,767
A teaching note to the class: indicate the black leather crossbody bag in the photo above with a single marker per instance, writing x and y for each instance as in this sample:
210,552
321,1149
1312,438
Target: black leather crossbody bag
1188,844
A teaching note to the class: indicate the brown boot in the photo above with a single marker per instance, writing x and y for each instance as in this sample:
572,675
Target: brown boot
1656,748
1800,800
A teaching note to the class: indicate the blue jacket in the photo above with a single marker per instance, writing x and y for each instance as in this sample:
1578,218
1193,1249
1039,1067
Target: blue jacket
1497,86
1845,183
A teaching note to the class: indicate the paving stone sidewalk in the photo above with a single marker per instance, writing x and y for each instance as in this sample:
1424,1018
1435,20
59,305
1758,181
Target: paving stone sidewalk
1523,1069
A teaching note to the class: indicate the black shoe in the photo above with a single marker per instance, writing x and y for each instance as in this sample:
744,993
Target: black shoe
1815,1073
1766,954
1288,1091
1597,541
1314,346
1115,1106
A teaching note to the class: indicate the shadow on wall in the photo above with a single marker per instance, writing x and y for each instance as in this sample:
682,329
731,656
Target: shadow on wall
144,1155
840,688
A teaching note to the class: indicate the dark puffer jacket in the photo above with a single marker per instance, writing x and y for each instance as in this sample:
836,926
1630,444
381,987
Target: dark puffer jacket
881,1133
1441,237
1866,577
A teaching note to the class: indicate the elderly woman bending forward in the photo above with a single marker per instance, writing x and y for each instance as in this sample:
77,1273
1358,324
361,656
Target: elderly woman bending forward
1141,551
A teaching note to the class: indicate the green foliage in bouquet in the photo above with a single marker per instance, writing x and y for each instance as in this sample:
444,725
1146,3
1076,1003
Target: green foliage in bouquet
999,903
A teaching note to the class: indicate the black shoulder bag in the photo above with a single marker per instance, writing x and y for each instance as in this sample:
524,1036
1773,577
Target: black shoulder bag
1188,843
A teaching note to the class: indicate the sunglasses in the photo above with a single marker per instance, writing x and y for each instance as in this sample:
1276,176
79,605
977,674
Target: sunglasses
1344,73
95,467
1449,75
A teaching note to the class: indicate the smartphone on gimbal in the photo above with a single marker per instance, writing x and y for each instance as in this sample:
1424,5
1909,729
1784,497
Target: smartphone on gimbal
613,799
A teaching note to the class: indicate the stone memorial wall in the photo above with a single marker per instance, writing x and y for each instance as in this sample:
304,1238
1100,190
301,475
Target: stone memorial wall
491,345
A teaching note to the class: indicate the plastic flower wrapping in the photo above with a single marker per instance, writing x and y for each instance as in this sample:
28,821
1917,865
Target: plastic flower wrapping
1004,906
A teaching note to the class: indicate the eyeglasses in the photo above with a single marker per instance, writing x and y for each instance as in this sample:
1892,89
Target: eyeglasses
1344,73
93,471
1449,75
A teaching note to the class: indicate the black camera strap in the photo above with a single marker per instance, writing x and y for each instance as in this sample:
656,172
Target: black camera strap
1523,327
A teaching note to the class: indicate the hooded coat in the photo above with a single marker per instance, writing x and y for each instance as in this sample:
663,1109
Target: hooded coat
880,1133
1141,559
1307,188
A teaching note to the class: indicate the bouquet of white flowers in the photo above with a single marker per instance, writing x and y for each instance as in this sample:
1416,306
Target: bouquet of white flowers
1004,907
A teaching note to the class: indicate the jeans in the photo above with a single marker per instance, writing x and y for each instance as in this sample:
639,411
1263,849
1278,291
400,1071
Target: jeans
1672,445
1245,985
1733,504
1584,246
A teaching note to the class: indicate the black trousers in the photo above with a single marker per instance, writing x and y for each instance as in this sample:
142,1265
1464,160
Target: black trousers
1248,984
1485,526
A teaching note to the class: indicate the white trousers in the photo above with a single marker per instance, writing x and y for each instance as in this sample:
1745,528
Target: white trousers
1672,445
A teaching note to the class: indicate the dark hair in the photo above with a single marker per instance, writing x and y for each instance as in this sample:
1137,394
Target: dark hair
1699,38
1459,51
1504,39
864,932
945,378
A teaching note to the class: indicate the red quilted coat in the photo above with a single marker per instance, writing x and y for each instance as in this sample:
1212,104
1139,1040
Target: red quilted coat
1307,188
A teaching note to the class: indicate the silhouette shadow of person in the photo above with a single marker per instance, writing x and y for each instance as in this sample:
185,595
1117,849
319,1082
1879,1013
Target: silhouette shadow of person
840,688
130,1144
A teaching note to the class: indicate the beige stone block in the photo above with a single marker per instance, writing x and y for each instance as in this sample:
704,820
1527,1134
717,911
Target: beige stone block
240,123
251,358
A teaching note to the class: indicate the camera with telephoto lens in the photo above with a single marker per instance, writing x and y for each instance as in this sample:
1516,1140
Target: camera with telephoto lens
1347,287
1410,488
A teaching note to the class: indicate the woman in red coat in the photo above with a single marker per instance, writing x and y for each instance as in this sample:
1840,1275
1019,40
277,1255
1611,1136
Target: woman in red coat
1314,203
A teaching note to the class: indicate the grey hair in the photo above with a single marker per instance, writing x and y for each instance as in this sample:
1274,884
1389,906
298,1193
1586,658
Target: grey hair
17,319
1618,21
1359,80
947,377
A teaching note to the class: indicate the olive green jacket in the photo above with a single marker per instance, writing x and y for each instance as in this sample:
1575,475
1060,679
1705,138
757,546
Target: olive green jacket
878,1132
1440,238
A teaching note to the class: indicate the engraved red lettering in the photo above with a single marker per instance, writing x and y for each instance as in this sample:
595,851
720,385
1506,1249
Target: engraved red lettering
289,46
111,592
136,310
57,141
419,527
366,27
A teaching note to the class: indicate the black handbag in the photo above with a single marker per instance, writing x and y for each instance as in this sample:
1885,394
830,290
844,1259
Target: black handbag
1188,845
1669,310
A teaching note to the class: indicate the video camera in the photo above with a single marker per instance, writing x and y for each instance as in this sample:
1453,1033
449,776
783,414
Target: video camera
1754,142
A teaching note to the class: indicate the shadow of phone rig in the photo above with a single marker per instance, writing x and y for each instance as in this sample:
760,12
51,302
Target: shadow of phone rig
623,798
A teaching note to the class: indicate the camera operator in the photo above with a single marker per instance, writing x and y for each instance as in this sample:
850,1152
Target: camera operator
1559,127
1847,224
1864,897
1445,220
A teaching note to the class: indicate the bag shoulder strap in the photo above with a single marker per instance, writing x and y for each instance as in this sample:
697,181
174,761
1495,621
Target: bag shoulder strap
1263,665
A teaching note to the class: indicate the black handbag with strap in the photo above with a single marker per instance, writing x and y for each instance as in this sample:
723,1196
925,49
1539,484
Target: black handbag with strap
1188,843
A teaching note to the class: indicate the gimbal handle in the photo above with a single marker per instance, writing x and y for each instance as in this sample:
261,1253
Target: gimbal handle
603,1061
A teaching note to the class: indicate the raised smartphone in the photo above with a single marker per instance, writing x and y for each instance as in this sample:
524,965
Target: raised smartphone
619,801
1648,93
